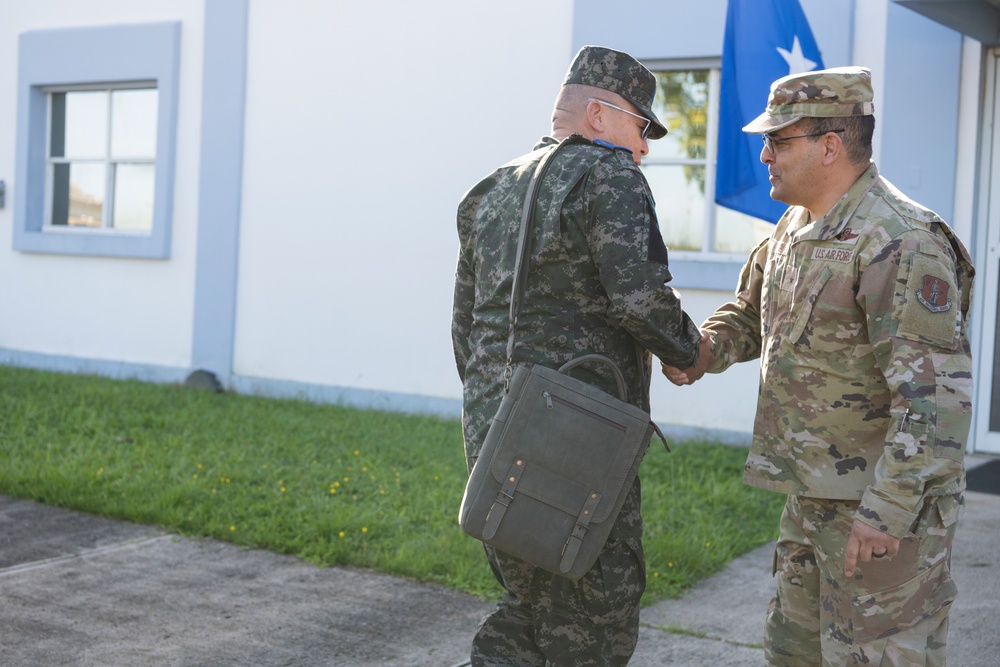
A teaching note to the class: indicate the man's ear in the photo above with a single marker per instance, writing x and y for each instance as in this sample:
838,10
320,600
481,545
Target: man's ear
833,147
594,115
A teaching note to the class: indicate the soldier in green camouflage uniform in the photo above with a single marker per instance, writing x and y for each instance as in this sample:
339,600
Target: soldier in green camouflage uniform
596,284
857,306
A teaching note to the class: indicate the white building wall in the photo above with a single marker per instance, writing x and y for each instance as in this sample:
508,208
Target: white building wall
120,310
365,124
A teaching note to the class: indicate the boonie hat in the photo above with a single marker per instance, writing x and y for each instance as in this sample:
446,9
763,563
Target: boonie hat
824,93
619,73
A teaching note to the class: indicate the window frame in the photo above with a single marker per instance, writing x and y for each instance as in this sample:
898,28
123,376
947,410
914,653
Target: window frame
704,269
107,161
109,57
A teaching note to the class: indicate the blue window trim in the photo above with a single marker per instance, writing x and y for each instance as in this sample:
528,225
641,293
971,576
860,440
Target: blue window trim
99,55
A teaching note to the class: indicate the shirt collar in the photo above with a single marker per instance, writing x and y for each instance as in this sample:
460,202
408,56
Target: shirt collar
837,218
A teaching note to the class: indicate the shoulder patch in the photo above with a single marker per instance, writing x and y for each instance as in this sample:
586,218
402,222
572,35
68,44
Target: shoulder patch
933,294
924,301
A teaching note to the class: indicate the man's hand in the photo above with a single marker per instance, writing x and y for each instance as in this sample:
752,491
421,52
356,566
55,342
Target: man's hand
691,375
867,543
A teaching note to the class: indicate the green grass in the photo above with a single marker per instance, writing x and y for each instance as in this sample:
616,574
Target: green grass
332,485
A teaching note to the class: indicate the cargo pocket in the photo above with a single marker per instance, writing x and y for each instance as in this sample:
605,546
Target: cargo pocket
890,611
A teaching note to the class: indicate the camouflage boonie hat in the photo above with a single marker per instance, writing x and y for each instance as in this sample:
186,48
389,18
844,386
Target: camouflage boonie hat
619,73
824,93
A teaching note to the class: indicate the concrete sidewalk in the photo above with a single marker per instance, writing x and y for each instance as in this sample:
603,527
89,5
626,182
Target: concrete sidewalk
81,590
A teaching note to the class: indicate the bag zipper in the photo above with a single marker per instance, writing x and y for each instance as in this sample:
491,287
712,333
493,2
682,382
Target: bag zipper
549,398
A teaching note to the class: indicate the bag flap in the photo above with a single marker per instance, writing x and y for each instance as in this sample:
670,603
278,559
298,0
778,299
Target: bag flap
570,433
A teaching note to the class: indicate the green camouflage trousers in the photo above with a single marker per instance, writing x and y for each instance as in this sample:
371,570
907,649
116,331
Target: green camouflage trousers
547,620
892,612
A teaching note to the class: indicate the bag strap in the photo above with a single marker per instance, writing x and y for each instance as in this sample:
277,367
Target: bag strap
523,254
520,273
619,378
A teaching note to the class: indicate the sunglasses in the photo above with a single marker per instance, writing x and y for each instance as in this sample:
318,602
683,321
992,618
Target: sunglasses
648,122
770,141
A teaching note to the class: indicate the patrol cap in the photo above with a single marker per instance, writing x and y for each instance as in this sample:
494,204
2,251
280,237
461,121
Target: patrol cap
619,73
824,93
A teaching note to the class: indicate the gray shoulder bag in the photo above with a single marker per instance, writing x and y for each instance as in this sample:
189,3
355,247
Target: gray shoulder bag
560,455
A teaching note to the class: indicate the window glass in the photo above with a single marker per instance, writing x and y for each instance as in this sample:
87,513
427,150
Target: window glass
78,194
682,104
88,164
133,126
680,205
681,169
79,124
134,186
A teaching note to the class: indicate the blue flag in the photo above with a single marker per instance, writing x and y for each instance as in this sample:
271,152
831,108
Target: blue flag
765,40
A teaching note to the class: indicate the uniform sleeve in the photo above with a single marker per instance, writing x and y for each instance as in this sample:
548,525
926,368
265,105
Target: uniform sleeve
632,260
465,286
916,318
735,327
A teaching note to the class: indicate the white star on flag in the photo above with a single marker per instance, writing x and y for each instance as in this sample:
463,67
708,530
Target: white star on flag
796,61
765,41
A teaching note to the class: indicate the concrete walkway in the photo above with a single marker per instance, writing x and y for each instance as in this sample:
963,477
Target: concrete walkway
79,590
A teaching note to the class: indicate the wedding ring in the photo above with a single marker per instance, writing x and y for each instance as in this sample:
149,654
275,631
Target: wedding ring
881,555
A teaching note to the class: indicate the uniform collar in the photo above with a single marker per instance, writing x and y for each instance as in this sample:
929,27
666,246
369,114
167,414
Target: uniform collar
837,219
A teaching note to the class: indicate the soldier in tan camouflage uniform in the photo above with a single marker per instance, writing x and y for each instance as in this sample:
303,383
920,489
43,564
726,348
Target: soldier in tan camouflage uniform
857,306
596,284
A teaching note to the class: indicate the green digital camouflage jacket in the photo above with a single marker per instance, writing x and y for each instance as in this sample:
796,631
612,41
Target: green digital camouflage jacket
860,322
596,282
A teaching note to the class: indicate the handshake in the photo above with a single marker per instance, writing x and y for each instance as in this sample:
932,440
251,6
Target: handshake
694,373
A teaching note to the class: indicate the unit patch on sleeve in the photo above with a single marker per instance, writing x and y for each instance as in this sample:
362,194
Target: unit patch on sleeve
934,294
924,300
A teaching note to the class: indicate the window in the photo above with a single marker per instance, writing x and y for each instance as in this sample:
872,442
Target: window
102,159
97,112
681,170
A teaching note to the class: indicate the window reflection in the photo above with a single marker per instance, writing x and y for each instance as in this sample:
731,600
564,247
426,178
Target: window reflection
78,195
680,168
134,185
133,123
102,144
79,124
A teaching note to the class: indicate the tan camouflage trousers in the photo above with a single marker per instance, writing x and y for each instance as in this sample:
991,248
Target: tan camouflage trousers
547,620
892,612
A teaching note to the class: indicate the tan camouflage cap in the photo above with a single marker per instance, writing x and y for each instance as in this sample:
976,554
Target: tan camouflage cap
620,73
824,93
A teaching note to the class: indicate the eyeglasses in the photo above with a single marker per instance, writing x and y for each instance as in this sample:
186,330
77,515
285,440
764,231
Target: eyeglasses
770,141
648,122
